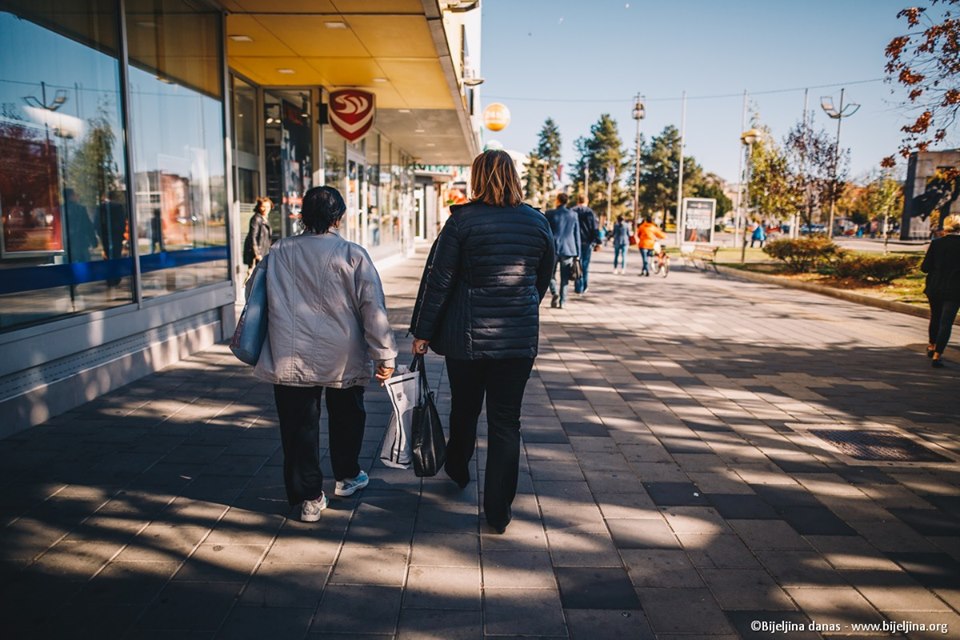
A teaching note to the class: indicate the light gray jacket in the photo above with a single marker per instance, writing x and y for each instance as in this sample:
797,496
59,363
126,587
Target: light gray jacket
326,316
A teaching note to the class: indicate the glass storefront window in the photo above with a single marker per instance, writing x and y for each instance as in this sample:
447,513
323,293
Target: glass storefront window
247,150
289,151
177,132
65,243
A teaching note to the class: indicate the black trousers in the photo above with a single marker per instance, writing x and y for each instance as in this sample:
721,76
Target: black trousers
502,382
942,315
299,412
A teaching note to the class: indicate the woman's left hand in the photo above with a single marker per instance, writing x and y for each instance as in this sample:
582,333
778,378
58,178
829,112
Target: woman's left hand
420,346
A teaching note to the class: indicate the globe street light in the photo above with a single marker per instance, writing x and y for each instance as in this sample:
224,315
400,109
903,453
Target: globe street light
748,138
639,112
838,114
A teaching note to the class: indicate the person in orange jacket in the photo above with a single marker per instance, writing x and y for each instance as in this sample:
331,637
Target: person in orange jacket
647,235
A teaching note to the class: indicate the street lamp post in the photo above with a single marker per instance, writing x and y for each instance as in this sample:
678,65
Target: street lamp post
639,111
748,138
838,114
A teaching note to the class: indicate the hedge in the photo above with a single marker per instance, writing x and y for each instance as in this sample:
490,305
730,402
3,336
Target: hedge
882,269
804,254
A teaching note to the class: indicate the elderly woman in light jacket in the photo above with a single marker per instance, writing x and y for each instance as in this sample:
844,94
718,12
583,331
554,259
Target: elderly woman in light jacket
327,327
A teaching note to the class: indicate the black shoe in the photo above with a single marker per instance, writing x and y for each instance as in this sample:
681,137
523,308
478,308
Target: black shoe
501,525
559,305
931,351
461,477
937,363
554,301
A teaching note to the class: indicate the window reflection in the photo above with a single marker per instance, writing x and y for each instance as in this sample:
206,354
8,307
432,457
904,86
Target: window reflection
65,241
177,121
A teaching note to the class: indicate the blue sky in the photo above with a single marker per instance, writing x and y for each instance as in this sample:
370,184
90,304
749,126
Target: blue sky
575,59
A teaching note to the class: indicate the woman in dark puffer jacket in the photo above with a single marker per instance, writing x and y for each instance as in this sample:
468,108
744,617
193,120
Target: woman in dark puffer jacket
479,305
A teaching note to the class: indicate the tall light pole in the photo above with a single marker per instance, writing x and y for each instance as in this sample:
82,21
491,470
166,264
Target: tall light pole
838,114
683,125
639,112
748,138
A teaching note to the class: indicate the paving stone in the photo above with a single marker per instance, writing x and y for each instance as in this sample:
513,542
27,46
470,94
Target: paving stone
360,564
192,606
127,583
221,563
248,623
695,520
581,548
286,585
523,612
442,588
425,624
894,591
628,505
357,609
929,522
711,551
851,553
598,623
660,568
517,569
670,494
641,534
596,588
745,589
683,611
801,569
742,506
933,570
836,606
768,534
446,549
816,521
764,624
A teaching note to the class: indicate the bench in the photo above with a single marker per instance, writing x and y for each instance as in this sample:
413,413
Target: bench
700,255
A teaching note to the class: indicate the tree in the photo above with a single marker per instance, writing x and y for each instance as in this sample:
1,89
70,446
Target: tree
660,168
884,198
811,158
93,170
926,61
772,188
541,168
602,150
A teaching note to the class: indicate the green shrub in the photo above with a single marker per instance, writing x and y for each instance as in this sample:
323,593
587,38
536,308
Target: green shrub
883,269
804,254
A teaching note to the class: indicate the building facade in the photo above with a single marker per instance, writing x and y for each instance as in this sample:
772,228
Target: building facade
136,135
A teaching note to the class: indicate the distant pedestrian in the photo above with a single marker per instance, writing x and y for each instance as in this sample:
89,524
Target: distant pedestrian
479,305
565,225
589,241
942,266
327,326
621,242
258,240
758,235
647,235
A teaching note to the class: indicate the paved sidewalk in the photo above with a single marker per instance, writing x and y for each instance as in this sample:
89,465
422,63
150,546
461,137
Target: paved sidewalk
675,483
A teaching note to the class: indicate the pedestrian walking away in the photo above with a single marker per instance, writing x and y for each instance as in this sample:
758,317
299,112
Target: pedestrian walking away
942,266
479,306
589,241
327,326
647,235
621,242
258,240
566,239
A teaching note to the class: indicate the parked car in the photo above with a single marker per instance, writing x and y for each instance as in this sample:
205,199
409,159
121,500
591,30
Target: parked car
808,229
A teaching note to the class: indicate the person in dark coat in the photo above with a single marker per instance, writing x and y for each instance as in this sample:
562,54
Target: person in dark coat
942,266
589,241
257,243
479,306
566,240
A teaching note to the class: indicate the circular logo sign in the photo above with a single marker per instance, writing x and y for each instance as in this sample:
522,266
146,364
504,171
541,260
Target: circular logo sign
496,116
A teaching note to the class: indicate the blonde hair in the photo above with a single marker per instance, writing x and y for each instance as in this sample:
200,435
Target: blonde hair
260,204
494,179
951,224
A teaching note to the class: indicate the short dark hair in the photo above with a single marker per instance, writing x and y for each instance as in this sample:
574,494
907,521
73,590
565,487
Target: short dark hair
619,218
647,219
562,198
582,198
322,208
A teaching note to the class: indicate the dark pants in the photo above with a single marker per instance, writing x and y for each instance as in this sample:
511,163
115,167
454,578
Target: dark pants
566,265
503,382
942,315
299,411
580,286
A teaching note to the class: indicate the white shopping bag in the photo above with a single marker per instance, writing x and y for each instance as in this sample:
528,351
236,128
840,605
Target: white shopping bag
402,390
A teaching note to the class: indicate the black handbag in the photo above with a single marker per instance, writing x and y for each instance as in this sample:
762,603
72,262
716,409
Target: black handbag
429,443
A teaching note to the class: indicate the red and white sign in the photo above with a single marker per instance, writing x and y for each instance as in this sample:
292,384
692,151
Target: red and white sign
351,113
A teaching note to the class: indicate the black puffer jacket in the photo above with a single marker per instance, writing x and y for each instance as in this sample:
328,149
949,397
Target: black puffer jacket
483,282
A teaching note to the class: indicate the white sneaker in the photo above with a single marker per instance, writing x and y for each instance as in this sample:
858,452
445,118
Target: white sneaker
310,509
350,486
